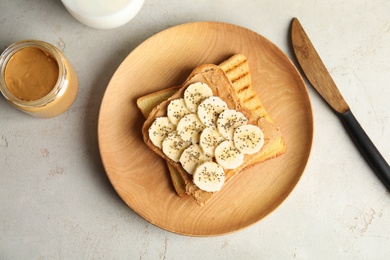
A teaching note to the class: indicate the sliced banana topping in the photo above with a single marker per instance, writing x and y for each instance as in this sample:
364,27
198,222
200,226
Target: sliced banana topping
248,139
210,138
228,156
159,129
173,146
205,136
192,156
189,128
176,110
196,93
209,176
228,121
209,110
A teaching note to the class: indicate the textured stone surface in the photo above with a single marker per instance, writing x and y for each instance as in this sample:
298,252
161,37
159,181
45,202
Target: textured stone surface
57,203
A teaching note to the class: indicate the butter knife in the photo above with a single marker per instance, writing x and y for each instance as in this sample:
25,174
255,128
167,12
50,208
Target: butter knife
321,80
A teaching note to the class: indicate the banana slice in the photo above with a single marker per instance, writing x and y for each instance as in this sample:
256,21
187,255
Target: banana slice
209,110
248,139
159,129
209,176
173,146
228,121
176,110
191,157
189,128
228,156
196,93
210,138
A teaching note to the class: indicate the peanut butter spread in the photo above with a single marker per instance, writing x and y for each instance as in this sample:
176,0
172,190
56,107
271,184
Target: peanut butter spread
31,74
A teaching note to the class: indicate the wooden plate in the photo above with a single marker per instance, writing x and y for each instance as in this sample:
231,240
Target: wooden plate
140,177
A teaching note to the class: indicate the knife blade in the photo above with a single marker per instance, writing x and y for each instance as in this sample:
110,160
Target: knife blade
319,77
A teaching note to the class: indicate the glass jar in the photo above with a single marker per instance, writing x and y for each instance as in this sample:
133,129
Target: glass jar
59,97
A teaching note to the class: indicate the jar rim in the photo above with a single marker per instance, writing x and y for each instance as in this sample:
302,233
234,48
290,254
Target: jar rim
57,90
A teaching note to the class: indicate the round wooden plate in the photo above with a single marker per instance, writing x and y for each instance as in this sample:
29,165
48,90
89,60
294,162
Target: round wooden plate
141,178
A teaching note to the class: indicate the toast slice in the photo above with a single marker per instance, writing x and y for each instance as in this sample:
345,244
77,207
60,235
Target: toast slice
240,96
237,70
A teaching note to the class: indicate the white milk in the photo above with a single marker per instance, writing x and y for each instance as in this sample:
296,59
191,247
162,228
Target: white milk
99,7
103,14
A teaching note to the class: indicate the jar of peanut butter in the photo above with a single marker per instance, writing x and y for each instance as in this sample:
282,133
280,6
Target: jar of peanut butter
36,78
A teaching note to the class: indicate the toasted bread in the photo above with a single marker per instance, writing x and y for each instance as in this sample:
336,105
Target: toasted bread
237,70
240,96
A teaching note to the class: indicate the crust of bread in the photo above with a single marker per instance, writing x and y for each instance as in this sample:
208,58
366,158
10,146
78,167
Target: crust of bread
239,98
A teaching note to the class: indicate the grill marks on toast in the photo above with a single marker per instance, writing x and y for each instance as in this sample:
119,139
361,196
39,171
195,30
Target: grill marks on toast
242,89
248,99
236,62
237,70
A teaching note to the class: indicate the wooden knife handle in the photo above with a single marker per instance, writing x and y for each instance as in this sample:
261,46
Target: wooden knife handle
366,147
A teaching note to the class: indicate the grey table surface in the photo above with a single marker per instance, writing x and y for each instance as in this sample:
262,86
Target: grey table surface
56,201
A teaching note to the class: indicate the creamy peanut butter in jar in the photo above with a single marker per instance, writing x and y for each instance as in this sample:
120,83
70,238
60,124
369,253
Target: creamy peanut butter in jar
36,78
